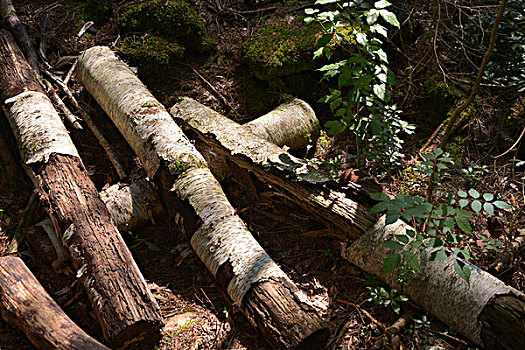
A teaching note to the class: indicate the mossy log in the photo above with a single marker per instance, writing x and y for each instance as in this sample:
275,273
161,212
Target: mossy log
121,300
305,186
25,304
257,286
488,312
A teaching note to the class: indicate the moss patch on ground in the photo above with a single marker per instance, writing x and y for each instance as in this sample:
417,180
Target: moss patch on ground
150,52
279,49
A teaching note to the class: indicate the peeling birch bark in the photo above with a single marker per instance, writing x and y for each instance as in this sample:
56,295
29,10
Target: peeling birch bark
132,205
291,124
121,300
25,304
487,312
199,205
296,180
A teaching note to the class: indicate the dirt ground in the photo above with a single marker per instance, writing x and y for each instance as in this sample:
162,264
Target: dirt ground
197,314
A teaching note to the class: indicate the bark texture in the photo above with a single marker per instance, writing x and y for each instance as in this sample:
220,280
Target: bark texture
487,312
291,124
26,305
303,185
122,302
199,205
132,205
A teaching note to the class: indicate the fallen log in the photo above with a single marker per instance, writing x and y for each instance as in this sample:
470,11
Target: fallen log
257,286
488,313
8,13
25,304
132,205
305,186
120,297
296,116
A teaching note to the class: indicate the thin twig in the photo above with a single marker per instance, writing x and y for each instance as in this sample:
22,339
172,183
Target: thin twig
89,121
60,104
70,72
367,314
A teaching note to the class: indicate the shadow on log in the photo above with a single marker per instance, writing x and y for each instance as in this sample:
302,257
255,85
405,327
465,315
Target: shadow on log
121,300
26,305
257,286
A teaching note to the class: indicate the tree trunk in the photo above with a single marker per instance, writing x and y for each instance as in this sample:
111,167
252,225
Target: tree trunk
487,312
120,297
257,286
26,305
482,313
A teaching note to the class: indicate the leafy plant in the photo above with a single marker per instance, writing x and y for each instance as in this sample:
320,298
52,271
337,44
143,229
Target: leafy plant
361,100
381,297
445,220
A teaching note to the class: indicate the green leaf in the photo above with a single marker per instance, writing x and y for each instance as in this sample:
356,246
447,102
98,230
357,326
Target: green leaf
439,255
391,262
417,245
318,53
412,260
379,29
323,2
463,270
488,197
371,16
476,206
382,4
380,90
391,218
435,243
153,247
501,205
379,207
411,233
380,197
462,194
438,151
389,17
473,193
393,245
489,208
463,224
402,238
361,39
334,127
463,203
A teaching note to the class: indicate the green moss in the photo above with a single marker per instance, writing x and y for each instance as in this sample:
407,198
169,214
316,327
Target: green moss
174,19
436,102
98,11
280,49
150,52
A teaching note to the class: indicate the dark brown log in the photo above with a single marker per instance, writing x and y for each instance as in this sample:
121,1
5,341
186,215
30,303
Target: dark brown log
26,305
19,31
123,304
258,287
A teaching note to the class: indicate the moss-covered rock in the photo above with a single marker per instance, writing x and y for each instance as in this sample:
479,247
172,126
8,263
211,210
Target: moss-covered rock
279,49
174,19
150,53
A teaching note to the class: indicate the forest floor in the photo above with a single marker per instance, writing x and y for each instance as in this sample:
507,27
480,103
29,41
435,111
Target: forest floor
197,314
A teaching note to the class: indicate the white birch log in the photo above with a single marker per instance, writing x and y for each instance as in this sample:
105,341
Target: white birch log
442,293
202,211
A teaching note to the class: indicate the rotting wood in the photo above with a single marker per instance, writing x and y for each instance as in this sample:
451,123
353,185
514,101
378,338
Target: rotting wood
257,286
25,304
469,305
487,312
305,186
120,297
